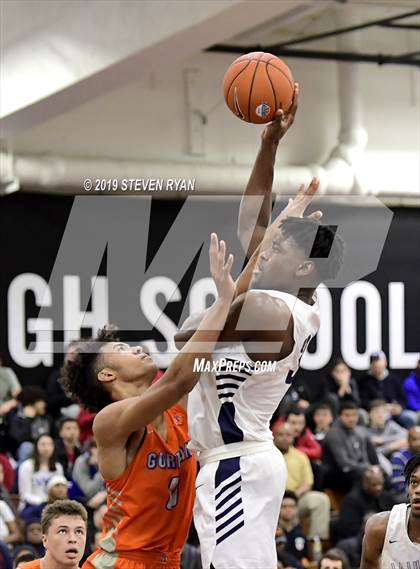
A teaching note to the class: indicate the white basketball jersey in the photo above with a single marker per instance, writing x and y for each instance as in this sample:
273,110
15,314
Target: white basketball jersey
235,399
398,551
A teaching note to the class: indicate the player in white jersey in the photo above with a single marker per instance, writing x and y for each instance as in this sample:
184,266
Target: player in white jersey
392,539
242,477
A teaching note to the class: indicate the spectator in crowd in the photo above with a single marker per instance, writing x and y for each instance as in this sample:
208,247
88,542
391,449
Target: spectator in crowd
379,383
400,458
63,548
347,450
88,479
34,473
369,496
303,437
285,560
412,389
85,421
32,535
296,540
311,392
9,389
341,385
57,401
4,492
30,421
57,489
334,559
352,546
322,419
9,529
7,474
300,480
67,444
385,434
23,554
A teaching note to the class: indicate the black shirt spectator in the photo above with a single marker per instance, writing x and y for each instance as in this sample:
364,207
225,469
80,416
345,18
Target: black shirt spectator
369,496
341,384
379,383
296,543
67,444
29,421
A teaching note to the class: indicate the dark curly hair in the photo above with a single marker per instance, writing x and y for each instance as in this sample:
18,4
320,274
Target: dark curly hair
411,466
78,376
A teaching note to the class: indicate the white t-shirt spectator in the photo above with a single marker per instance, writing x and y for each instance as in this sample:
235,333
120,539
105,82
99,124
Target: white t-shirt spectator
6,516
33,485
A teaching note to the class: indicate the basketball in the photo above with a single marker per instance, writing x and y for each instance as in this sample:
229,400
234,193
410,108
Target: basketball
256,85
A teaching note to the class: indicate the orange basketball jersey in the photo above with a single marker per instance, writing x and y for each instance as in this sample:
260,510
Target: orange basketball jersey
150,504
36,564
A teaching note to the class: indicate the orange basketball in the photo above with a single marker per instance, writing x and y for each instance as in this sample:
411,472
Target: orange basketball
256,85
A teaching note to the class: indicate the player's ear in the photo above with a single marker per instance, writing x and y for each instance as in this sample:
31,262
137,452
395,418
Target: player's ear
106,375
305,269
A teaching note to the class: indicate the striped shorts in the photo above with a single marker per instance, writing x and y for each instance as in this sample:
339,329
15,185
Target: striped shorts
237,508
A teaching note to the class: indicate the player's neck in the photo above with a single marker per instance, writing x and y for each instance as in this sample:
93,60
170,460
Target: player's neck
413,528
124,390
306,295
287,526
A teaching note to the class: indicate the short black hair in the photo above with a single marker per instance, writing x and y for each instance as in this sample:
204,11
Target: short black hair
336,554
322,405
295,410
323,245
30,394
65,420
349,404
291,495
411,466
78,376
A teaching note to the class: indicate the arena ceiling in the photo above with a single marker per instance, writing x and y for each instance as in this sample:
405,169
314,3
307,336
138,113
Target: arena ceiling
59,57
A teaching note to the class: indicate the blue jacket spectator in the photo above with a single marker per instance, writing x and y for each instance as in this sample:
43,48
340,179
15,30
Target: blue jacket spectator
412,389
400,458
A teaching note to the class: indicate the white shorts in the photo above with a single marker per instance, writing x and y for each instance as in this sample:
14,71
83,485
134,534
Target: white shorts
237,508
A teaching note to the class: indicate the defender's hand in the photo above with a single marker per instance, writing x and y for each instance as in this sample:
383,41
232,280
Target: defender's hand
220,269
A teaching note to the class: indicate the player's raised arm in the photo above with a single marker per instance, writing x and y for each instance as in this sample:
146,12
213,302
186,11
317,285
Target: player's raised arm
132,414
253,222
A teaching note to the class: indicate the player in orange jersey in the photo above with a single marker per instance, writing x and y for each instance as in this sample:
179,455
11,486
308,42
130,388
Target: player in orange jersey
142,435
63,525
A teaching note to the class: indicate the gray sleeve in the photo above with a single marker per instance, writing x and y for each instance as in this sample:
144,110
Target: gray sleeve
339,450
393,433
11,378
89,486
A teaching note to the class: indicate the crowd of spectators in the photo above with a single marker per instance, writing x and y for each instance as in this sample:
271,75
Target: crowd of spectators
345,443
